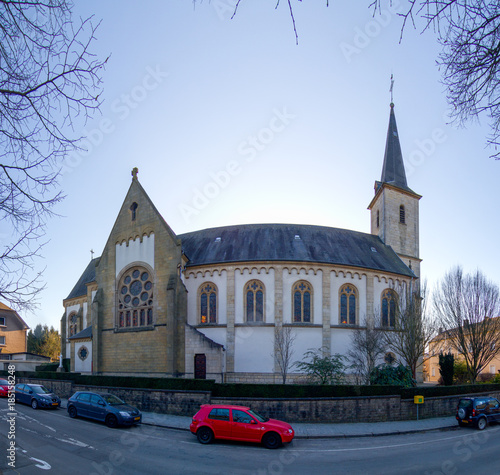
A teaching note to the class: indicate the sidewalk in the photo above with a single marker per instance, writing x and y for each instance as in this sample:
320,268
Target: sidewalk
319,430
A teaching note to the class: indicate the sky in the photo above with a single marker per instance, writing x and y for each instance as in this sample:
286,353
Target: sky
229,121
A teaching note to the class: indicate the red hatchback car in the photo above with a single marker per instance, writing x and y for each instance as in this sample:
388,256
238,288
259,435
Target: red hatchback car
239,423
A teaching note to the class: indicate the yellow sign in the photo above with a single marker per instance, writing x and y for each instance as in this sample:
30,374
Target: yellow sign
418,399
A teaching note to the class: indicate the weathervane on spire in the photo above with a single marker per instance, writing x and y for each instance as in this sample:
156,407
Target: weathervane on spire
392,86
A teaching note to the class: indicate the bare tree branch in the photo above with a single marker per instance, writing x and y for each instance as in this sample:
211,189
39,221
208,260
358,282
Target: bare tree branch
468,308
50,84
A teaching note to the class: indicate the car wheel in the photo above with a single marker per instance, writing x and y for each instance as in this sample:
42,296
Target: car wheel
271,440
111,421
205,435
482,423
72,411
461,413
34,404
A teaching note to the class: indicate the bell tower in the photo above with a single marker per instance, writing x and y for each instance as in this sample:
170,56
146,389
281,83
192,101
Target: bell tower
394,208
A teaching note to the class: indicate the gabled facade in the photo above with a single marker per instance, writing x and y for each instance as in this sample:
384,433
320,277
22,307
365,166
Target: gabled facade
209,303
13,331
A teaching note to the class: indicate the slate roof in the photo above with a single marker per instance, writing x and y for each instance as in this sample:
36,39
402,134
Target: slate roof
393,170
88,276
277,242
87,333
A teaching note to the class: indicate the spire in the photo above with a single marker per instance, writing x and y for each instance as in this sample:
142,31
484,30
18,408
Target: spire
393,171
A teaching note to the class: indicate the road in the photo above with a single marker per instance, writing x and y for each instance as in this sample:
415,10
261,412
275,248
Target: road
48,441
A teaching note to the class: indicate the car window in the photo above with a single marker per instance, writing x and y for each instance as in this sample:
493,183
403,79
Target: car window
84,397
258,416
40,389
94,399
112,400
4,382
241,416
494,404
20,387
219,414
481,404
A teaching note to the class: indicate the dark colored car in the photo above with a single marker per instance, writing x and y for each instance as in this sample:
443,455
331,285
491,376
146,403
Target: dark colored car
103,407
4,387
477,411
239,423
36,396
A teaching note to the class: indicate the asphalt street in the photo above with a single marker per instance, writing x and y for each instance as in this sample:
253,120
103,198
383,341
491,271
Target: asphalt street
48,441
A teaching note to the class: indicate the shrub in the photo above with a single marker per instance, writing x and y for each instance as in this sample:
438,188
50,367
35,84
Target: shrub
319,366
446,368
395,375
460,374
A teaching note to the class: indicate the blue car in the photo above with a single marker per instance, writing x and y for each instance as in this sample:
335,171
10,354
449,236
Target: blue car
36,396
103,407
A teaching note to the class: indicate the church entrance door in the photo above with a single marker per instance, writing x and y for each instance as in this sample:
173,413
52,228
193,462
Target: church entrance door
200,366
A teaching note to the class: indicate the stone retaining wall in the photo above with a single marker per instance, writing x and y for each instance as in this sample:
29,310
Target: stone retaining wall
335,409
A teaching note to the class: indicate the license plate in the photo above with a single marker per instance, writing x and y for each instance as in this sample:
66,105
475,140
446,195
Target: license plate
137,418
55,404
466,422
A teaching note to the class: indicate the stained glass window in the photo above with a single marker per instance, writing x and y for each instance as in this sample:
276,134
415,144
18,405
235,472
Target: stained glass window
208,303
348,311
388,308
135,299
254,292
302,301
73,324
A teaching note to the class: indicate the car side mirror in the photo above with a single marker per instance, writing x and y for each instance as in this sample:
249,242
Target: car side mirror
254,421
101,403
31,392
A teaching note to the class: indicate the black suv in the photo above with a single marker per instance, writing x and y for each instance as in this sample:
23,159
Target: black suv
478,411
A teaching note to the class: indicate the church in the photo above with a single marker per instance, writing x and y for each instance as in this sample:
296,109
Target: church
210,303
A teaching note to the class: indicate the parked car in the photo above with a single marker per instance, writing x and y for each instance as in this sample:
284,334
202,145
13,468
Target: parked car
36,395
4,387
477,411
103,407
239,423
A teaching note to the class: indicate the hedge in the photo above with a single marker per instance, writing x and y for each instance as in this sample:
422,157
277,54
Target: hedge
271,391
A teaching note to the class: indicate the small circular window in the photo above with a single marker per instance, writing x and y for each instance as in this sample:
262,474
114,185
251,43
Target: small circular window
83,352
135,295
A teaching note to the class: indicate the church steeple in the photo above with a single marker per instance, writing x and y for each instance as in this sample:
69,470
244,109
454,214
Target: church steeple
394,208
393,171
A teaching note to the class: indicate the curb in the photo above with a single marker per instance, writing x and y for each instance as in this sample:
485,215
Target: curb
335,436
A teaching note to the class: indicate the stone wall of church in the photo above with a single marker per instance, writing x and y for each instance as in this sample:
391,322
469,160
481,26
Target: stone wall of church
402,237
250,345
140,237
197,343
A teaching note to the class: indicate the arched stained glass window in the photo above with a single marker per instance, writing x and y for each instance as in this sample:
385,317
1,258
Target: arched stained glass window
208,303
254,301
73,324
348,304
389,308
135,298
302,302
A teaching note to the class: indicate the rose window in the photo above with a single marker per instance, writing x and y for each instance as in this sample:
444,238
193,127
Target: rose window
135,296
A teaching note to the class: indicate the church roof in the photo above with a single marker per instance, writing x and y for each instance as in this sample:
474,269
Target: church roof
290,242
88,276
87,333
393,170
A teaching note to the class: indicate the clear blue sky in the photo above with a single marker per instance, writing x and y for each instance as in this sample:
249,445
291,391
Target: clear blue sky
229,121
